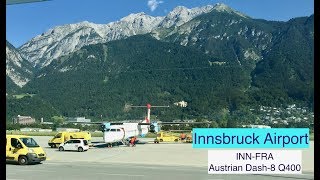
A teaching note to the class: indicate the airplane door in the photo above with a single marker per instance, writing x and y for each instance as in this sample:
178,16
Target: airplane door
139,130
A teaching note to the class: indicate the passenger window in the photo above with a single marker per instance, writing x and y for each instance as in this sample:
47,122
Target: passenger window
118,129
113,130
76,141
15,143
68,142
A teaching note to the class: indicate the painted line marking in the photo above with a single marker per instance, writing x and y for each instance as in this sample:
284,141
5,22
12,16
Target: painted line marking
140,175
33,170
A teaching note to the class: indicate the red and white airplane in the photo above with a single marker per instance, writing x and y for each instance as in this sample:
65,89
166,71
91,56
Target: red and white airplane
114,132
121,132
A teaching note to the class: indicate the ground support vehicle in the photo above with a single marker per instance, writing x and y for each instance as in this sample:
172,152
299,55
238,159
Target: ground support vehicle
166,137
24,150
62,137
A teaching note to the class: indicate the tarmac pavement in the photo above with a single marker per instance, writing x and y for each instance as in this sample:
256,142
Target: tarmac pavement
145,161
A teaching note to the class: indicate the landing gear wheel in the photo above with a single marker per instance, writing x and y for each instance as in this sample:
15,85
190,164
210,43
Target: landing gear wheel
80,149
23,160
61,148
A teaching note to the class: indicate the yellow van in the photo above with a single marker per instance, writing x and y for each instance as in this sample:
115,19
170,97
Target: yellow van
24,150
62,137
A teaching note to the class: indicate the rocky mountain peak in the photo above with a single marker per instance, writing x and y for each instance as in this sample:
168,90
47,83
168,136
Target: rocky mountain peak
220,7
65,39
17,68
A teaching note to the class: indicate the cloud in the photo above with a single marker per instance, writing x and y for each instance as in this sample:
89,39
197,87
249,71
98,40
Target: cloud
153,4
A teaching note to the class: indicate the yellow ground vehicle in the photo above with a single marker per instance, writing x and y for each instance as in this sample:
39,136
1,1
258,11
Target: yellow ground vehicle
23,149
166,137
62,137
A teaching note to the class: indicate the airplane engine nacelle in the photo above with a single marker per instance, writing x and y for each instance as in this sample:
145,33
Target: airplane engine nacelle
154,127
105,126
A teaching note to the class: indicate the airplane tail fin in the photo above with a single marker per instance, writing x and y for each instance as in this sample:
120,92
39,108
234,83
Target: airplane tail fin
146,120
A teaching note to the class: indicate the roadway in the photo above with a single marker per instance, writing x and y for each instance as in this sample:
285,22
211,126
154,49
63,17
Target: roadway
145,161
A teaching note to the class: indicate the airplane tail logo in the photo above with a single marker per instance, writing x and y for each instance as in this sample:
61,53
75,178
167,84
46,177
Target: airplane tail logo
146,120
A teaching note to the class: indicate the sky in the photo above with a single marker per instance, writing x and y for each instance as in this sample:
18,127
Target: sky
25,21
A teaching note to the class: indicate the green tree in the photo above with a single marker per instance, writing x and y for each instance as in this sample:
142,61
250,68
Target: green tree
232,123
223,117
214,124
57,122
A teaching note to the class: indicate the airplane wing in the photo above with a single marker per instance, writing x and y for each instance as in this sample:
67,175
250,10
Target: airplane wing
10,2
111,123
155,126
168,123
139,123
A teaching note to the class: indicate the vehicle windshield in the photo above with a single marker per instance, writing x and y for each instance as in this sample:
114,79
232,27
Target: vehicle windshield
29,142
58,135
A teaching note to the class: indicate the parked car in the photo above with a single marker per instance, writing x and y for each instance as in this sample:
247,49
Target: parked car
74,145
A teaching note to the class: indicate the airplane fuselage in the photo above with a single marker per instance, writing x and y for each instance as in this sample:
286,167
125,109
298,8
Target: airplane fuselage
118,133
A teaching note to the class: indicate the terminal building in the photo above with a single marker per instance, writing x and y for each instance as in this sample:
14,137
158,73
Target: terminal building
78,119
256,126
23,120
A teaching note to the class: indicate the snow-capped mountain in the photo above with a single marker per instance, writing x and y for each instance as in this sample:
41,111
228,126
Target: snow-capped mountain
62,40
18,69
181,15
